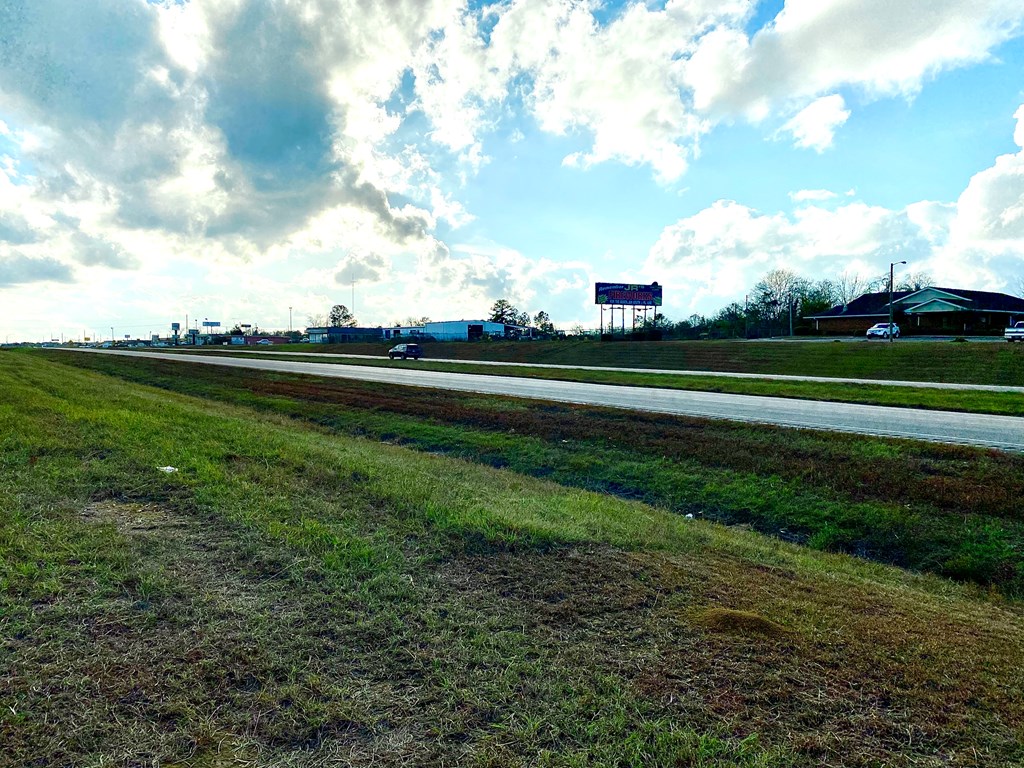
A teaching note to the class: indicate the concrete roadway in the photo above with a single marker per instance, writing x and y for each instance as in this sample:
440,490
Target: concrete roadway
1005,432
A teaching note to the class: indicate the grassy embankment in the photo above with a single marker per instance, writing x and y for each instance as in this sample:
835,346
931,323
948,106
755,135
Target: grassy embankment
954,511
289,597
1000,403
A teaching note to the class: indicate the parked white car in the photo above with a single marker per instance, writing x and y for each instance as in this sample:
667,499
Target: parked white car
1015,332
883,330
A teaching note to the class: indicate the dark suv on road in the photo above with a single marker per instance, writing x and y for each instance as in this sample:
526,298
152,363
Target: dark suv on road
404,351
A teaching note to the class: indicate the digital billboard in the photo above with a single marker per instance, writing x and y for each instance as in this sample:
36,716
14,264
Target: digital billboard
627,295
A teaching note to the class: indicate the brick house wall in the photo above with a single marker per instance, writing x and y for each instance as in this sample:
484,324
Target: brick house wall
846,326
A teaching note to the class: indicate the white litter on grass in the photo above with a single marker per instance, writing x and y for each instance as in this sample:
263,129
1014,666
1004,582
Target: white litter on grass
168,470
689,517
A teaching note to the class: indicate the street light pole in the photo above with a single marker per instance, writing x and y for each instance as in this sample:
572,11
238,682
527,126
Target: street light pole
289,319
891,265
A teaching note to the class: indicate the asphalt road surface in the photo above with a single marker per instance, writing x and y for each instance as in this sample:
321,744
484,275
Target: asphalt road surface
1005,432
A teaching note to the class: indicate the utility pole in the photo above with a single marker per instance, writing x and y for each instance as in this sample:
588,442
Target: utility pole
111,335
289,319
891,265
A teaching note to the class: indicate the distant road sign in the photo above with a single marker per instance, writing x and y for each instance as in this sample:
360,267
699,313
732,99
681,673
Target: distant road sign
175,326
211,323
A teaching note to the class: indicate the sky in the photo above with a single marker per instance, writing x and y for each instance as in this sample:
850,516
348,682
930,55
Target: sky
252,161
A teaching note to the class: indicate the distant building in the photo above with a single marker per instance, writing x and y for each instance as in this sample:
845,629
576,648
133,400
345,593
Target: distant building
445,330
926,311
336,334
238,339
460,330
403,331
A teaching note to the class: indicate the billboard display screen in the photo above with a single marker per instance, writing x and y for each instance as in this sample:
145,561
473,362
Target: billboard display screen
175,326
211,323
628,294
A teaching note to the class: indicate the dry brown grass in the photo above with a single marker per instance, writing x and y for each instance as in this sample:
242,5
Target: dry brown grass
852,676
739,622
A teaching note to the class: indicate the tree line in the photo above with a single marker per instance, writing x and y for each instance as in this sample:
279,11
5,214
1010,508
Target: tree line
779,303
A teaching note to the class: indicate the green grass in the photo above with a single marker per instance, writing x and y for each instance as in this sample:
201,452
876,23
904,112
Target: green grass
1001,403
292,597
970,363
950,510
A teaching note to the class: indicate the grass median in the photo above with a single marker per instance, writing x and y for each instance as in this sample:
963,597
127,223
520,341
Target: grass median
293,597
969,401
973,362
955,511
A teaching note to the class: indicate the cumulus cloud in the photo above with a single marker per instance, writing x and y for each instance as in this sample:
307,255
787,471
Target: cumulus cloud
224,131
985,243
814,47
724,249
230,124
991,210
617,82
977,241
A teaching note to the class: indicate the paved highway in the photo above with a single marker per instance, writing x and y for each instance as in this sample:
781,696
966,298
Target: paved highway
1005,432
312,356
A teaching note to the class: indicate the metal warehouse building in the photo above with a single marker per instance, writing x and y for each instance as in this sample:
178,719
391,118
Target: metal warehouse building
458,330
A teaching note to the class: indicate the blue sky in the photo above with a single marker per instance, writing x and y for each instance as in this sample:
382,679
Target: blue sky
237,159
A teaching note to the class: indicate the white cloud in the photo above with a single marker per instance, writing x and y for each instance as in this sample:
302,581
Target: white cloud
816,46
976,242
182,140
812,195
991,210
815,125
722,250
986,226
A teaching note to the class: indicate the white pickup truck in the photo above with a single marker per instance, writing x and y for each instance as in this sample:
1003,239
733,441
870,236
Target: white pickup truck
1016,332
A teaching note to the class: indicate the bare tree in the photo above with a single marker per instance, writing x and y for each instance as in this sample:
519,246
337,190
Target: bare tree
1019,286
317,321
776,290
849,285
878,283
915,281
